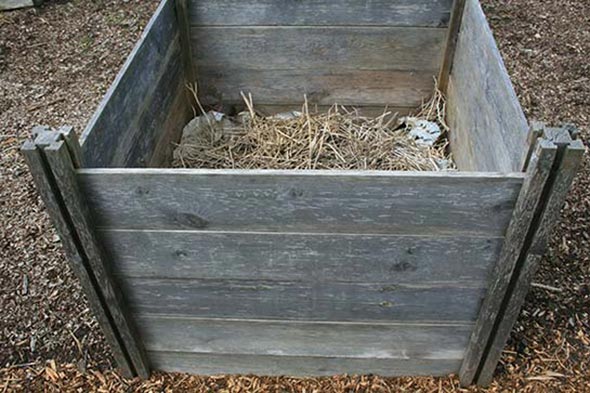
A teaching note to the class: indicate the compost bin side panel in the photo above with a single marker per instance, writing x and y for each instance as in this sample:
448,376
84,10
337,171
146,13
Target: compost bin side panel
353,52
489,129
147,106
272,272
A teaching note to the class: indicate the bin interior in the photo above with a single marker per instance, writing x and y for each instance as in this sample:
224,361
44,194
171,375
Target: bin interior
367,55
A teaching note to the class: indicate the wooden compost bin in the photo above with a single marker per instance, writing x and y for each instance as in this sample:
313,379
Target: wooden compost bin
307,272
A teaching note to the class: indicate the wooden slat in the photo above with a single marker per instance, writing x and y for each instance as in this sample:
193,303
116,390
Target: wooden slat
182,19
310,48
128,123
338,340
489,128
59,161
570,156
278,256
215,364
315,301
451,44
359,88
428,13
302,201
514,249
6,5
55,207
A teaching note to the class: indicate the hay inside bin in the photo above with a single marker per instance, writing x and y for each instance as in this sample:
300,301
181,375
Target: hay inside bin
338,139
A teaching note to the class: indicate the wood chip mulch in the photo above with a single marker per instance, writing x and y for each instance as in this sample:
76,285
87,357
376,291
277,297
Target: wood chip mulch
56,63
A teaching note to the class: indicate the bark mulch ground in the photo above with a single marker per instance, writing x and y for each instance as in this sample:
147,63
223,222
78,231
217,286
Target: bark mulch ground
56,62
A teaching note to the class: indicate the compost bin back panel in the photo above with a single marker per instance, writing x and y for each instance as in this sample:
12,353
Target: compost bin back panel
354,52
488,128
146,108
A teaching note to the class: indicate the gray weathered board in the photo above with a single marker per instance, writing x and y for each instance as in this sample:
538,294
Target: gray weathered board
146,107
416,13
6,5
330,339
314,301
347,347
215,364
302,257
489,128
302,201
369,54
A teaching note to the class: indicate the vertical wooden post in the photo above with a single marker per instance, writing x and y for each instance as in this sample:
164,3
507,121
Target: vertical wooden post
51,160
552,166
184,27
451,45
569,157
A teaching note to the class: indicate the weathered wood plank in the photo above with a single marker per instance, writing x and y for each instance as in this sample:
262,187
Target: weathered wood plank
489,128
278,256
55,207
171,130
451,44
569,157
302,201
517,237
314,301
308,48
276,87
338,340
215,364
138,144
59,161
6,5
182,19
427,13
129,121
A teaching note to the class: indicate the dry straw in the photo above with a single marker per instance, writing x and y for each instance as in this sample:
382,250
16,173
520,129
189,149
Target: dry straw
338,139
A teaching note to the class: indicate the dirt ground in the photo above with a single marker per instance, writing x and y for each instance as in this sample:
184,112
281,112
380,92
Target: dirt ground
56,63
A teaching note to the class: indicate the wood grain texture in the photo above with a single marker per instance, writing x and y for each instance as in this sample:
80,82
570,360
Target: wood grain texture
427,13
129,122
276,87
309,48
48,191
59,161
451,44
216,364
6,5
514,249
279,338
182,18
489,128
314,301
302,201
568,159
278,256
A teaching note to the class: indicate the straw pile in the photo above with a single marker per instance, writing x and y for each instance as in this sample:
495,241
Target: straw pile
337,139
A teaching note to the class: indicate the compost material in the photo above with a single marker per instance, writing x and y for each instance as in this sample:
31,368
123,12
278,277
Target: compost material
340,138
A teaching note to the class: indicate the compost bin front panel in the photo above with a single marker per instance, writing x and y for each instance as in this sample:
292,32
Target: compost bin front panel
302,272
353,52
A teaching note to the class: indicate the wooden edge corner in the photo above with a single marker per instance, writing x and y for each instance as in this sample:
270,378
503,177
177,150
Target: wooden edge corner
552,166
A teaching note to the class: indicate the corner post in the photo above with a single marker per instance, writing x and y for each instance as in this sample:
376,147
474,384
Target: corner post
552,165
451,45
52,159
